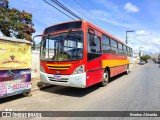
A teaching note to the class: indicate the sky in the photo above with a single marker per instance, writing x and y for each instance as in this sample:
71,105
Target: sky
113,16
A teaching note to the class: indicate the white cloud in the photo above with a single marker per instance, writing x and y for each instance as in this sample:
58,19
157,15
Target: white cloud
157,41
129,7
100,13
117,16
143,33
149,40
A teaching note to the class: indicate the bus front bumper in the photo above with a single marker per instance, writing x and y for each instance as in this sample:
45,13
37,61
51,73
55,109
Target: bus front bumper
75,80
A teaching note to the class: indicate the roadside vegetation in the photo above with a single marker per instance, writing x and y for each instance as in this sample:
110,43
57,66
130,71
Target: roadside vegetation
15,23
145,58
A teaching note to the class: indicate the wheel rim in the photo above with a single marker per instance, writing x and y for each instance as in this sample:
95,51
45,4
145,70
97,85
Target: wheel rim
105,77
127,70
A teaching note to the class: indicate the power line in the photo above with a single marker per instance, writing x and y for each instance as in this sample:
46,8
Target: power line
66,9
123,15
73,14
78,10
92,15
58,9
81,11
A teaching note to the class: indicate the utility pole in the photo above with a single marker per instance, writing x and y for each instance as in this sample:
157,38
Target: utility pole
127,36
140,51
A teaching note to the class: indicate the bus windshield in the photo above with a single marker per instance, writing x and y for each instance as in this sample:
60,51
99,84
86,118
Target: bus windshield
62,47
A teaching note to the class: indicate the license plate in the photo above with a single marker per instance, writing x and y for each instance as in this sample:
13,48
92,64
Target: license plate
57,77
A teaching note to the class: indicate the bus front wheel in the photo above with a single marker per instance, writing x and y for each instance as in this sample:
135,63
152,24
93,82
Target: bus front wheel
105,79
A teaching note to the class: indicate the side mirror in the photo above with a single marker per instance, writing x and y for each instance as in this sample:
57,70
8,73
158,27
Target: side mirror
33,45
36,41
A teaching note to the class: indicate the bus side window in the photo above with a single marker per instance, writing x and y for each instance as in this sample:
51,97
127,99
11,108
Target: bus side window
131,53
94,46
106,44
98,45
125,50
114,47
120,49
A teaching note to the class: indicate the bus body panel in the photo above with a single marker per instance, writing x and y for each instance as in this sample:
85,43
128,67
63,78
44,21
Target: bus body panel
65,68
77,80
94,71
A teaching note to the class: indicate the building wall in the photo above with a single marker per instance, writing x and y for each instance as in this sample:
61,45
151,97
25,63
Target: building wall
35,64
35,70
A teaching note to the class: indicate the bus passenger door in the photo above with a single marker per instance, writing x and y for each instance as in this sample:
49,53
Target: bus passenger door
94,60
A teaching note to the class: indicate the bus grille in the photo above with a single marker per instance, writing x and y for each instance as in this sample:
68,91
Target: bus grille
55,80
58,66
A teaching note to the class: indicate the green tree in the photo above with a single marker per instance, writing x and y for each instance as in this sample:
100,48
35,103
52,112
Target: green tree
145,58
14,23
154,58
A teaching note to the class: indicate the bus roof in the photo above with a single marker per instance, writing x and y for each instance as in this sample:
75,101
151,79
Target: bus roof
95,27
104,32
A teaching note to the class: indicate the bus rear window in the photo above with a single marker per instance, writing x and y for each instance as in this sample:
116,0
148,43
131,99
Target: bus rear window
65,26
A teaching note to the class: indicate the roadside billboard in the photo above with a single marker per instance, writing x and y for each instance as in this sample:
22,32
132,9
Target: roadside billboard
14,55
15,66
14,82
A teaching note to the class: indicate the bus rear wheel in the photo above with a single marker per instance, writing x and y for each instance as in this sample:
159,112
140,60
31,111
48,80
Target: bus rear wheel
105,79
127,70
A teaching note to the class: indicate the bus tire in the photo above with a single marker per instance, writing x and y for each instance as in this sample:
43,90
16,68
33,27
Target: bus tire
127,70
105,79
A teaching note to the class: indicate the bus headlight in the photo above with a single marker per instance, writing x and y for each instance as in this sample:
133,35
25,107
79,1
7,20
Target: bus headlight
42,69
79,70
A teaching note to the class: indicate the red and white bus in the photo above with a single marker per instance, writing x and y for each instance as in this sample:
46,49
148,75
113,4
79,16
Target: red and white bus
79,54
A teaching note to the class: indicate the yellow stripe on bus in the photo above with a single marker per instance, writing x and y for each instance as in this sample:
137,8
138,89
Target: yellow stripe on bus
113,63
63,65
52,68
